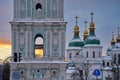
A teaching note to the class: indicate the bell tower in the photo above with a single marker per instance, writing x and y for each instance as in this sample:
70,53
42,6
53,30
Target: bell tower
38,30
40,10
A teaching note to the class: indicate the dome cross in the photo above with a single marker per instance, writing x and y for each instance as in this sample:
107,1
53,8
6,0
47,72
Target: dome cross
92,16
76,17
85,24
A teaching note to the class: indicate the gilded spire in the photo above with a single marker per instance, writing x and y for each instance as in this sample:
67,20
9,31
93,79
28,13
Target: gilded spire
92,24
85,33
118,37
112,41
76,28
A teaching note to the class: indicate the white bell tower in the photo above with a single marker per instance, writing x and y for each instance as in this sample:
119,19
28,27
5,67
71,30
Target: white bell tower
38,40
38,24
38,21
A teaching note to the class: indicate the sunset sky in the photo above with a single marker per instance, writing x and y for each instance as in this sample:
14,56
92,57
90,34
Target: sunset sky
106,18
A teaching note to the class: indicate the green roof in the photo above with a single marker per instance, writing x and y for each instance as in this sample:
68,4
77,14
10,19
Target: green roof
91,39
76,42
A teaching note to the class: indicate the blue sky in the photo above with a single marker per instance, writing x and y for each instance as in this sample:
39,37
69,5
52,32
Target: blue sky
106,18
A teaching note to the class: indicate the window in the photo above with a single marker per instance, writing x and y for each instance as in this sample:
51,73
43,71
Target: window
54,72
81,72
108,64
22,72
38,46
15,57
114,57
38,71
118,58
77,54
99,54
70,55
93,54
87,55
38,7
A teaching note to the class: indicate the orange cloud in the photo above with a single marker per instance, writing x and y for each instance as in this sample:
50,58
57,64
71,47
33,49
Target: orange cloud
5,48
4,42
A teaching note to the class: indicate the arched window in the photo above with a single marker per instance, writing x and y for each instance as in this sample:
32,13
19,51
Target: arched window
38,7
70,55
93,54
38,46
87,54
99,54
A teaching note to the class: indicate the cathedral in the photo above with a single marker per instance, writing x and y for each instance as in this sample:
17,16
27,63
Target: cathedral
38,46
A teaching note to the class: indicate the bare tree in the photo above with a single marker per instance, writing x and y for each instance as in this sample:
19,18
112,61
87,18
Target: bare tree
81,73
116,70
77,75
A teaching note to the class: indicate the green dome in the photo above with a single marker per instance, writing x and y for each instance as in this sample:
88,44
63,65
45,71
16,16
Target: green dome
76,42
92,40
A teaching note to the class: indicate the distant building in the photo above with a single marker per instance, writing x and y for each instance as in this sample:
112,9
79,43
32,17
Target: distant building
38,46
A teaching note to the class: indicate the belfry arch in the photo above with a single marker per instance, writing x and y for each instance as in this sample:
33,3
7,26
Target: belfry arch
38,46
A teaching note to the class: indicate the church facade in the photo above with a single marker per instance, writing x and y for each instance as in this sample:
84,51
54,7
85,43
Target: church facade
38,46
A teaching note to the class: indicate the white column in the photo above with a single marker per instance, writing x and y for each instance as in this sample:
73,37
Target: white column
26,43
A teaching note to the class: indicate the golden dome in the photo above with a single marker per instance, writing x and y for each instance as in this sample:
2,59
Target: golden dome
92,24
85,31
118,38
112,42
76,28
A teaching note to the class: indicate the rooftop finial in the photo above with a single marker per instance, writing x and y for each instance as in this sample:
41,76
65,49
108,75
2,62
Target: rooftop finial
85,33
76,19
118,37
118,30
92,16
92,25
112,41
113,35
85,24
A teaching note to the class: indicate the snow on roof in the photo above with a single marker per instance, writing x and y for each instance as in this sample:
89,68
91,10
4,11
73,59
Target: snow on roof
93,37
107,68
107,58
41,62
76,40
74,48
94,45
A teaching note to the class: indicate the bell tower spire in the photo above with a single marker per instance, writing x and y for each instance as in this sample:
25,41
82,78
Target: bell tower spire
76,29
113,40
85,33
92,28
